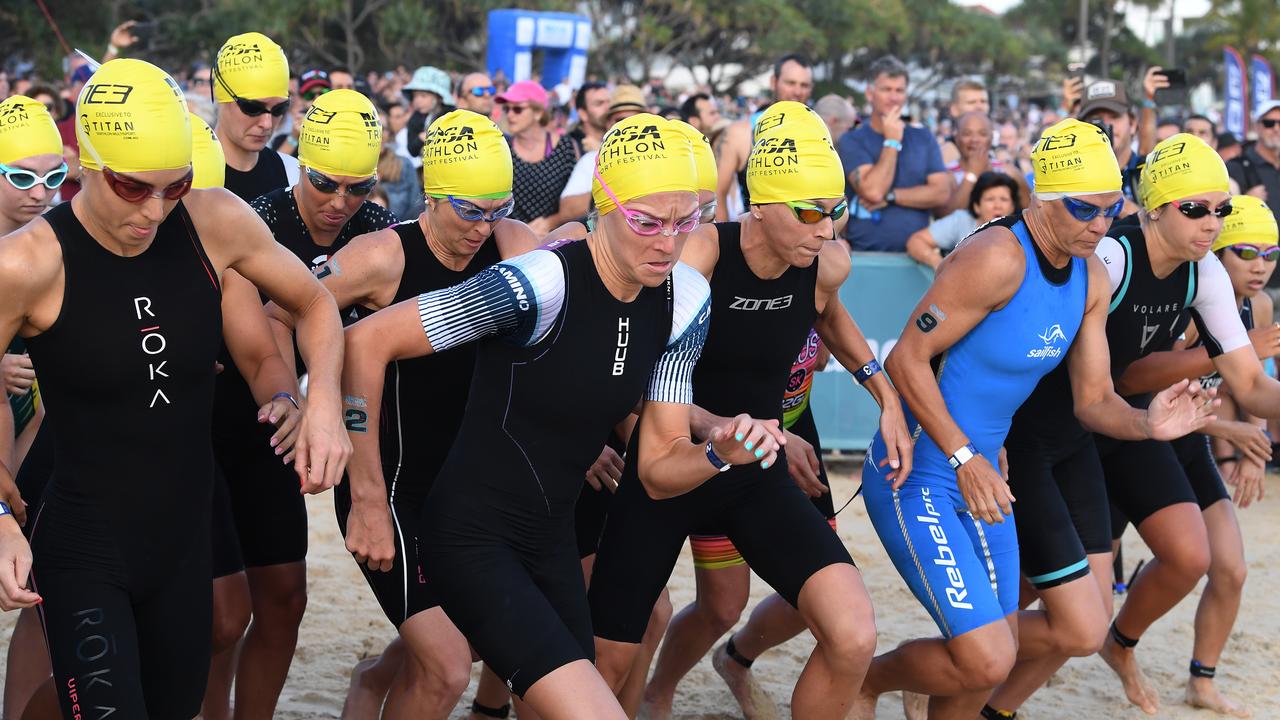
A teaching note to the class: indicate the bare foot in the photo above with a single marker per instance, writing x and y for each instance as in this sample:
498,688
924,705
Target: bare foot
915,706
755,702
1136,686
367,691
1203,693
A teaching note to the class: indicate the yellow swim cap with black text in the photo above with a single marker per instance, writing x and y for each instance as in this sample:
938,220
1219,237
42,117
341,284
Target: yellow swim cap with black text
1074,157
1251,222
792,159
1179,167
341,135
208,164
704,158
465,155
26,130
132,117
253,67
643,155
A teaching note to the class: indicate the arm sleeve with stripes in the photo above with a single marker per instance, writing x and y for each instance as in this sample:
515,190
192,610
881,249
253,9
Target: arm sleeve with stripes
518,299
1214,308
672,379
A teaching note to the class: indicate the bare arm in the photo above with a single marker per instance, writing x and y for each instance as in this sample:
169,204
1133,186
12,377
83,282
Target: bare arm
935,192
671,463
731,151
921,248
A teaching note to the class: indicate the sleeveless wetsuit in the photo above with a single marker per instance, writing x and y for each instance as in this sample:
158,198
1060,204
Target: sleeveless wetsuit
712,552
498,539
963,571
750,350
1149,314
270,514
121,544
267,174
422,404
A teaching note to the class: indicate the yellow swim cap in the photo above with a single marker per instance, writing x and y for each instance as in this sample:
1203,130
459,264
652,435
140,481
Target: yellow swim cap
26,129
207,160
1179,167
704,159
133,118
465,155
792,159
790,112
643,155
341,135
1251,222
1075,157
253,67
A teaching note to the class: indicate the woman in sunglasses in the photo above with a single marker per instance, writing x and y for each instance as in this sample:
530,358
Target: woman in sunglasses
543,162
338,149
464,229
774,278
33,168
117,294
1239,451
1016,302
250,84
571,335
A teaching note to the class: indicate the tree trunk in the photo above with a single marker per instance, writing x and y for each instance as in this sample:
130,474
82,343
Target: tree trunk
1108,25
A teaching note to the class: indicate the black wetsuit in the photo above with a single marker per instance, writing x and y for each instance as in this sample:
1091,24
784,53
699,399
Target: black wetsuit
267,175
121,544
270,514
569,361
749,353
422,404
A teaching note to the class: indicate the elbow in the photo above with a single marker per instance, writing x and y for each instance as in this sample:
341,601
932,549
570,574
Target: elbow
870,196
655,488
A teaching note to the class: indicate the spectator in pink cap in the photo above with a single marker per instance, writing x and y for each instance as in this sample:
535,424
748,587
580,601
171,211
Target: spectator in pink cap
541,161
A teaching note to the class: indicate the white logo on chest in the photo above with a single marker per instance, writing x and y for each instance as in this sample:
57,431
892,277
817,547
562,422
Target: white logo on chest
620,354
1051,337
153,344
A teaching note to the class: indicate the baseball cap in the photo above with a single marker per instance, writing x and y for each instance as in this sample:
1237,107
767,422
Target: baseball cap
313,79
627,97
524,91
1104,95
1265,108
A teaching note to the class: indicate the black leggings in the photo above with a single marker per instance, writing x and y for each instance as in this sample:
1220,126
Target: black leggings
126,642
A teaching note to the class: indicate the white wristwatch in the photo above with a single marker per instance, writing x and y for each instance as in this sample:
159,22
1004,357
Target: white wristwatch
962,456
970,177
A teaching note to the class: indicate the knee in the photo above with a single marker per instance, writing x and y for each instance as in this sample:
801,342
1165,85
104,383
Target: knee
439,678
1228,575
849,645
285,607
985,668
229,624
613,662
1082,641
1191,562
721,613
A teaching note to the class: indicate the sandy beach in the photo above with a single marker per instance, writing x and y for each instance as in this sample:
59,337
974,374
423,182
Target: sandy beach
343,624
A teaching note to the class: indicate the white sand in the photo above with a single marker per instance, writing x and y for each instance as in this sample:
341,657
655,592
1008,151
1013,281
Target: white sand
343,624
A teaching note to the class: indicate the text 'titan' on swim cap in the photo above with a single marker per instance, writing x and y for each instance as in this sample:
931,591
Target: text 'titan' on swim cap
1075,157
252,66
132,117
26,130
1178,167
465,155
341,135
704,158
208,164
792,159
1251,222
643,155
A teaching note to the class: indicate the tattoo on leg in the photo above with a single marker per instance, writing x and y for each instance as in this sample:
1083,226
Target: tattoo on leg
354,414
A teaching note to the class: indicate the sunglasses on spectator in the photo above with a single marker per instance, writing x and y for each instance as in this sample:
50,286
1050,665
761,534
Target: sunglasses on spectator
809,214
313,93
329,186
482,91
252,108
25,179
1269,123
647,225
1084,212
471,212
516,109
1252,252
1195,210
136,191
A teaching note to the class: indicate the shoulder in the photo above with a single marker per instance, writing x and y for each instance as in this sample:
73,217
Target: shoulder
30,257
689,285
991,257
515,238
373,216
692,303
378,249
1263,309
739,132
834,263
702,249
540,272
214,206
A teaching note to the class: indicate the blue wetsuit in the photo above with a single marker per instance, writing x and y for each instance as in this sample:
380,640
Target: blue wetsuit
962,570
